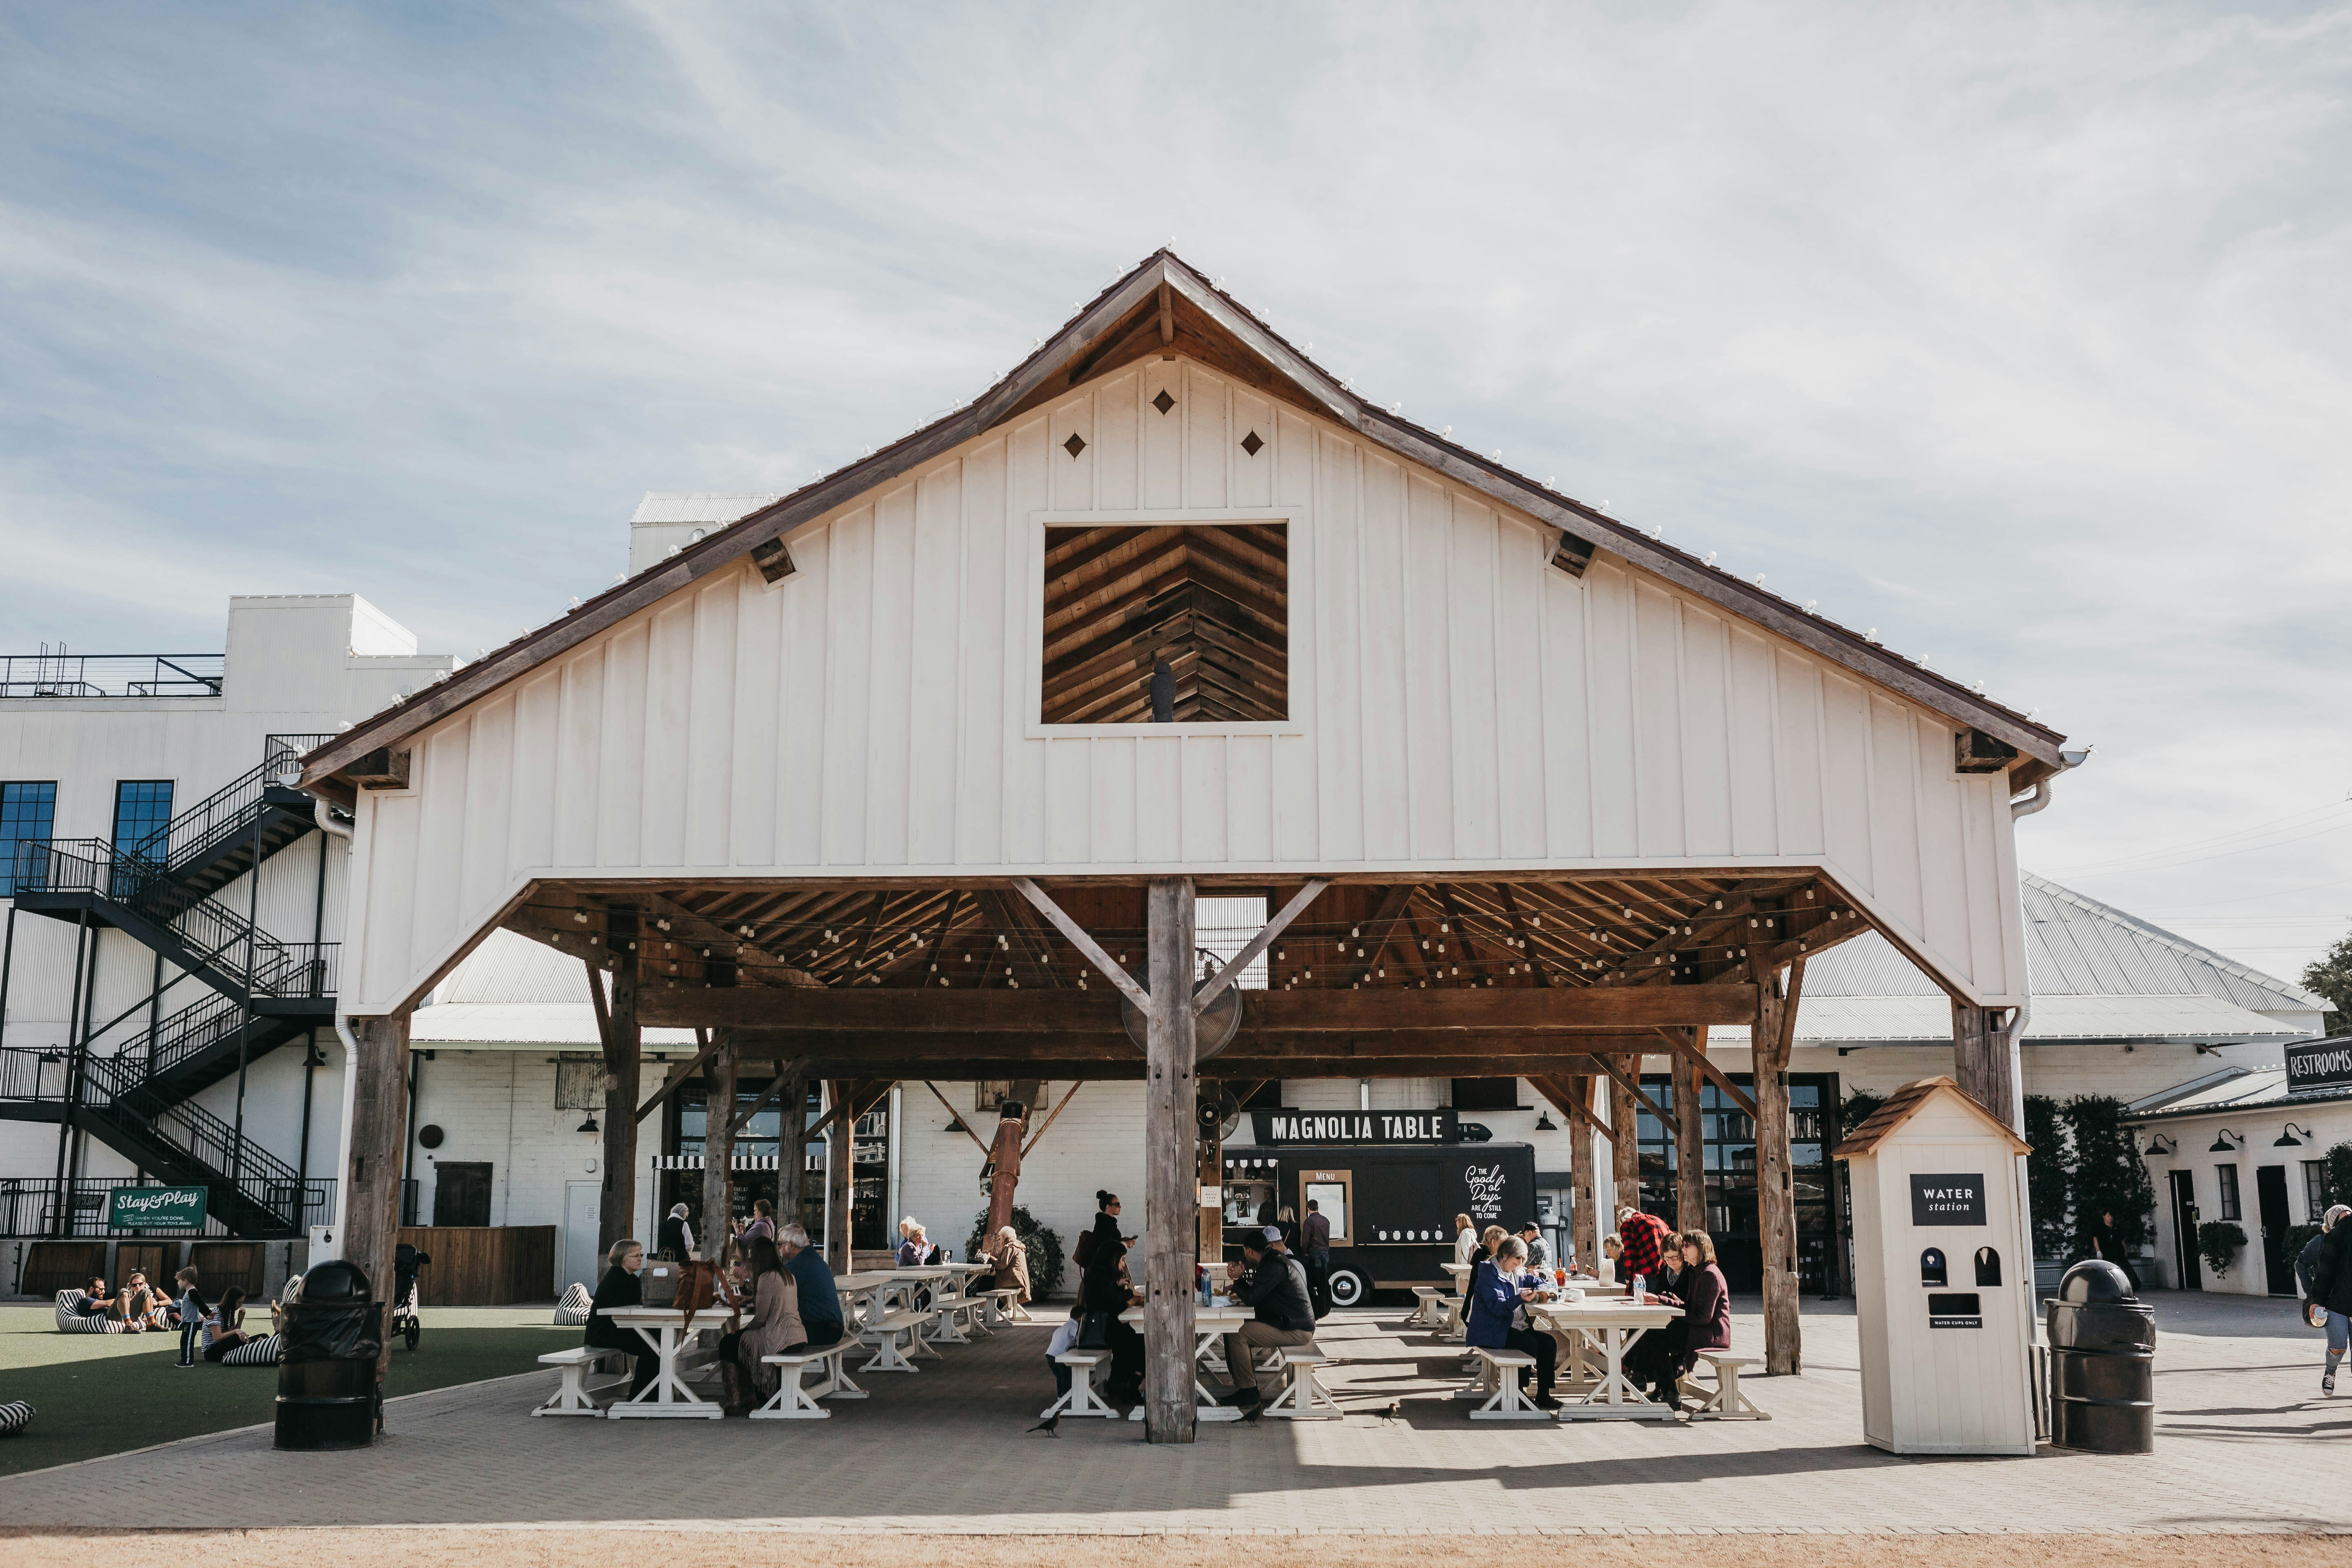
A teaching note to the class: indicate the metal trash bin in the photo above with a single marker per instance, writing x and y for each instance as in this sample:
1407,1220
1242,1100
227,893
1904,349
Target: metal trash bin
328,1395
2102,1362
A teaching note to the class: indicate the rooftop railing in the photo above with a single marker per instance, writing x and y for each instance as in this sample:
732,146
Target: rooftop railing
112,674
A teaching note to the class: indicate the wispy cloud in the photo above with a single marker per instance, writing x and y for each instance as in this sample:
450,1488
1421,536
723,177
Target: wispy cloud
2015,331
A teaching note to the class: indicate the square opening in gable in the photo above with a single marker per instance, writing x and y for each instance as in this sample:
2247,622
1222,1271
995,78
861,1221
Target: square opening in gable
1210,602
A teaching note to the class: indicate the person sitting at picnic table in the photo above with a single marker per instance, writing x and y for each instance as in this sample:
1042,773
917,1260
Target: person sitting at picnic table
224,1330
1658,1359
819,1298
1500,1287
762,1223
621,1287
1539,1249
1273,1285
1104,1290
1010,1261
1644,1237
774,1327
676,1240
1612,1249
913,1246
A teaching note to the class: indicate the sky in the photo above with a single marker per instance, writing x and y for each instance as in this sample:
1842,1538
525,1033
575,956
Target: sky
2019,333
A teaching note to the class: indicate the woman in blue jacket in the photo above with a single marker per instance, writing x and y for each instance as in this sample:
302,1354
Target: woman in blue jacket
1498,1289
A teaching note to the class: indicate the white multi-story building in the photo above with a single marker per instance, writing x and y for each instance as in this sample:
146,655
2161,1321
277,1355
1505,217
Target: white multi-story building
163,1004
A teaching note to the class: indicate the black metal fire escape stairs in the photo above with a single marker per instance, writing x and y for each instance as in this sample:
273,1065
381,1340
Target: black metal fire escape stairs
254,995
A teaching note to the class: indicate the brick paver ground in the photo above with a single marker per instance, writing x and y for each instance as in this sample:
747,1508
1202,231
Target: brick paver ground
2245,1442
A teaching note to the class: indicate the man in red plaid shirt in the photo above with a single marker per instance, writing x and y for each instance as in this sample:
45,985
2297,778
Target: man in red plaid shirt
1643,1237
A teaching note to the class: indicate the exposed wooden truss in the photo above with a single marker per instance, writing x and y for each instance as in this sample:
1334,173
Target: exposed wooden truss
1214,602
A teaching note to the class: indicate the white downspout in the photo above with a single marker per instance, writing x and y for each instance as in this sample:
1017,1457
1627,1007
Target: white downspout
327,823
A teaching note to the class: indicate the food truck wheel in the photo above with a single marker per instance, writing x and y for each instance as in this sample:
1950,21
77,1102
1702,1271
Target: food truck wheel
1347,1286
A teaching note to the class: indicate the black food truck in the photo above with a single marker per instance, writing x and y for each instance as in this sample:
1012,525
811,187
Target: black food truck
1390,1183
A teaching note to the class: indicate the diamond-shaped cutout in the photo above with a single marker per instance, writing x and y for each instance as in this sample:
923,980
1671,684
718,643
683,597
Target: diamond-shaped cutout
1074,445
1163,402
1250,444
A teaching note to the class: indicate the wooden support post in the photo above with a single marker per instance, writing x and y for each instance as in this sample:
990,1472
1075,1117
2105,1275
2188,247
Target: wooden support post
618,1208
1584,1230
718,1149
1982,1062
1770,1038
792,1144
371,1163
1690,1146
1170,1225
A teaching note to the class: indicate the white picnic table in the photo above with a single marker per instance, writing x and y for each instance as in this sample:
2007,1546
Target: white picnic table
1210,1324
1605,1326
869,1291
664,1330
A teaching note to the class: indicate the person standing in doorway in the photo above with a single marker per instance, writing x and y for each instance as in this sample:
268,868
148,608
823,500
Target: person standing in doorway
1316,1234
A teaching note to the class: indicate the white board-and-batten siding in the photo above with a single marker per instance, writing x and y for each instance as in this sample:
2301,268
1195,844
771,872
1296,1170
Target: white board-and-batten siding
1457,706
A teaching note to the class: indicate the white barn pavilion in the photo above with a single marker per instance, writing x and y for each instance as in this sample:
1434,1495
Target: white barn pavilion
915,772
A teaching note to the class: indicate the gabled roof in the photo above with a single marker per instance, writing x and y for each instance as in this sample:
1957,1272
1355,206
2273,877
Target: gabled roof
1907,1102
1165,306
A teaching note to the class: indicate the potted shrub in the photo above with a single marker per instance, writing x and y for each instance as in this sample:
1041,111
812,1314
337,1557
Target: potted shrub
2218,1242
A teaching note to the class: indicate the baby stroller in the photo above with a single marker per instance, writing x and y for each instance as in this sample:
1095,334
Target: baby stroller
405,1322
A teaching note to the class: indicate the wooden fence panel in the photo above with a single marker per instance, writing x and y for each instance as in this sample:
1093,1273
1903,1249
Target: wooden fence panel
483,1265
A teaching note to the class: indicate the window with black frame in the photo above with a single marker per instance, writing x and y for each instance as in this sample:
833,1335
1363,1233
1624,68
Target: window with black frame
1731,1218
27,813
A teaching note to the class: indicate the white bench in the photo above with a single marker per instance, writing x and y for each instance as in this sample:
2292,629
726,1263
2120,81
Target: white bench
1081,1400
794,1402
1004,1307
1724,1402
882,1335
1302,1398
950,1317
1428,1307
1508,1401
573,1396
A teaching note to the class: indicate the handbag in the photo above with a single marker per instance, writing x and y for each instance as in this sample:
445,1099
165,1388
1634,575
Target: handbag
1094,1331
1084,1250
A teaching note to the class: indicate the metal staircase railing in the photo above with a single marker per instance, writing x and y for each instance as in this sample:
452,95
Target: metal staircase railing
222,815
217,936
116,1086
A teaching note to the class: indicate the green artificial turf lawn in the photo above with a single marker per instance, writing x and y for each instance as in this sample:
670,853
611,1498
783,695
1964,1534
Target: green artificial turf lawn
101,1393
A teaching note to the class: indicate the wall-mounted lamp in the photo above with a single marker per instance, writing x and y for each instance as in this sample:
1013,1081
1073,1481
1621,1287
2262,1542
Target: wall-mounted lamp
589,1125
2222,1144
2160,1144
1544,1123
2287,1140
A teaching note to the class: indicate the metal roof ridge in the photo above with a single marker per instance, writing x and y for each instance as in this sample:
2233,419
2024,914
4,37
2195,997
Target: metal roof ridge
2178,943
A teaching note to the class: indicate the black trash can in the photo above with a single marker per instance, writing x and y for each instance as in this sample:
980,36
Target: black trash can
2102,1362
327,1396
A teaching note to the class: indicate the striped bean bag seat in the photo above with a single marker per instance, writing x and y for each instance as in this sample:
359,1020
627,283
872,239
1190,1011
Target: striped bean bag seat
263,1352
70,1321
572,1310
14,1417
